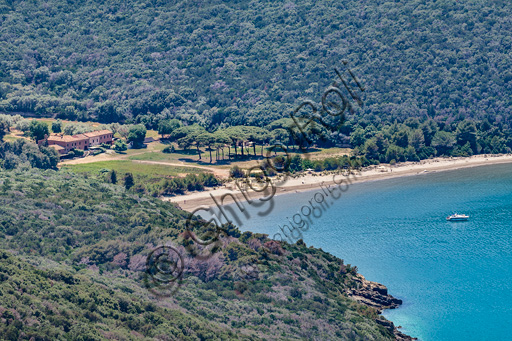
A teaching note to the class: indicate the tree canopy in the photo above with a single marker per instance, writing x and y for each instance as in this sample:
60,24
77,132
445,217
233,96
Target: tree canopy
141,62
38,130
136,135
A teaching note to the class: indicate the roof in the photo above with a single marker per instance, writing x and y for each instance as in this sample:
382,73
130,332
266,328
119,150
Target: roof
66,138
78,137
97,133
57,147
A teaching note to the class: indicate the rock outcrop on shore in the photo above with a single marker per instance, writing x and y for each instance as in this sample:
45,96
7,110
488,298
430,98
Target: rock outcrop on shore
376,295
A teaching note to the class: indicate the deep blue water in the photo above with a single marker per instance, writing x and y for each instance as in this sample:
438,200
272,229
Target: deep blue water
455,278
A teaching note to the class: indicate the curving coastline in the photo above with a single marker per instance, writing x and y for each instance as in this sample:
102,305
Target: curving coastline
372,294
309,182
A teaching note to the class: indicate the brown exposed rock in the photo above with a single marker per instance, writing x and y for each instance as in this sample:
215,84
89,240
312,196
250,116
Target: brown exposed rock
376,295
373,294
393,330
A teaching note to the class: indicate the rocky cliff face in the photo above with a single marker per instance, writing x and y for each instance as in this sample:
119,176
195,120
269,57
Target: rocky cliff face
376,296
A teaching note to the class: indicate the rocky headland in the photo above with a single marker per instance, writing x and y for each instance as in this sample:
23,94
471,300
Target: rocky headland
376,295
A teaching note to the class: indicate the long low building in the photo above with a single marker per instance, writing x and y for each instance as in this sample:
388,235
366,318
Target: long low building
80,141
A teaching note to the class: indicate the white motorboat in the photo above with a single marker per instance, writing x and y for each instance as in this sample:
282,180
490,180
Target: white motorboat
457,217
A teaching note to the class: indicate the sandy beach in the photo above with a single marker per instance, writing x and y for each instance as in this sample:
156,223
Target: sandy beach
313,181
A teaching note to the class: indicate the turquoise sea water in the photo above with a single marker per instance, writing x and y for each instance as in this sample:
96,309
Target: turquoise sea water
455,278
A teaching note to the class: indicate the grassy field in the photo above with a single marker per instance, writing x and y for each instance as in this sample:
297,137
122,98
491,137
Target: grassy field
156,154
323,153
137,169
153,134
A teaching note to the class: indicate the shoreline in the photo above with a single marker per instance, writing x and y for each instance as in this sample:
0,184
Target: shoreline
310,182
371,294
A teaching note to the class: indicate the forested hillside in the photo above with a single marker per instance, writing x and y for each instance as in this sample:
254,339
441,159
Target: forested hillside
76,269
250,62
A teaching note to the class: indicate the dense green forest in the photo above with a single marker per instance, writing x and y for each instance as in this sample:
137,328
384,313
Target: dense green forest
77,262
240,63
249,62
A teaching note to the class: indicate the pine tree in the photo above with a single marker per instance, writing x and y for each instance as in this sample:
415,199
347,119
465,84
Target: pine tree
113,177
128,181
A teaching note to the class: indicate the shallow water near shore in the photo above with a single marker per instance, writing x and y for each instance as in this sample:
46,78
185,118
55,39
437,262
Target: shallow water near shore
454,278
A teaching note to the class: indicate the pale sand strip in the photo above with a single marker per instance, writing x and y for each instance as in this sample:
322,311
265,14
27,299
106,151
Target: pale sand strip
192,201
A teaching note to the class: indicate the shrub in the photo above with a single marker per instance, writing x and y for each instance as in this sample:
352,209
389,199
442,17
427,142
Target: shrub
330,164
296,293
120,146
169,149
296,164
209,180
236,172
79,152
